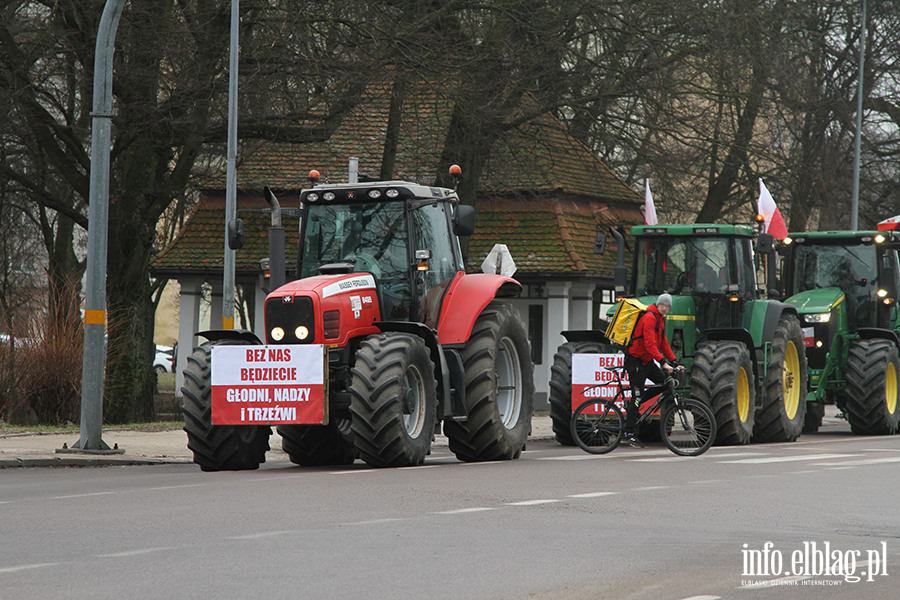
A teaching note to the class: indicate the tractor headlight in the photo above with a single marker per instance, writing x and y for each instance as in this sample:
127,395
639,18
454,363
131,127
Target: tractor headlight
817,317
301,332
277,334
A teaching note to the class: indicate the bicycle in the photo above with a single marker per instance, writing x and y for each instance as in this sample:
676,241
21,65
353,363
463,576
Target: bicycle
687,426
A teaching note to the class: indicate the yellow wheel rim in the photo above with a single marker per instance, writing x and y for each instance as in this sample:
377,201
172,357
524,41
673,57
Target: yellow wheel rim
890,388
790,380
743,395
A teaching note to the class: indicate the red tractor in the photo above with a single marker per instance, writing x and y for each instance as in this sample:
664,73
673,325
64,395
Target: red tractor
412,339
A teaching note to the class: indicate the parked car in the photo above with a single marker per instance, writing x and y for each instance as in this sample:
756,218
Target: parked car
163,362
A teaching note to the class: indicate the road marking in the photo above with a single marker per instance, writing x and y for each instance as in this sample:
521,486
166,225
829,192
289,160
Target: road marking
353,472
651,487
416,467
593,494
6,502
177,487
707,481
734,454
26,567
462,511
774,582
531,502
373,522
83,495
255,536
132,553
779,459
859,463
881,450
703,598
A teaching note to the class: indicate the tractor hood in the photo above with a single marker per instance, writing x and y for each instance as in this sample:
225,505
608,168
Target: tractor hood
816,301
329,285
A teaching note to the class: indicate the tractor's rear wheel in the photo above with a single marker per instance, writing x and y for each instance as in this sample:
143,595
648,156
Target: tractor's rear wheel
392,400
783,411
561,386
722,376
499,388
815,412
873,369
217,447
317,445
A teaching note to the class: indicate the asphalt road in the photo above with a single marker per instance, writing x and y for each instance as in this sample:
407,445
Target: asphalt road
556,524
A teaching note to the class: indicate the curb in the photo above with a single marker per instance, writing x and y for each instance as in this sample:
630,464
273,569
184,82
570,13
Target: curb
86,461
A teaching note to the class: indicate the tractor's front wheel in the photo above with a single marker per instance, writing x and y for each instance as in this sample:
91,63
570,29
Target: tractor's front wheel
783,411
561,386
873,368
217,447
722,376
317,445
815,412
392,400
499,388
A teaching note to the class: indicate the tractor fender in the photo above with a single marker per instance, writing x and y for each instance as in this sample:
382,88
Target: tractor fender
870,333
764,319
467,297
445,374
589,335
736,334
244,335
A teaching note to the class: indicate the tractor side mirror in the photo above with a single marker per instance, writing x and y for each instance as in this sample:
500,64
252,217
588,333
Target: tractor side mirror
765,243
464,223
888,276
599,243
235,234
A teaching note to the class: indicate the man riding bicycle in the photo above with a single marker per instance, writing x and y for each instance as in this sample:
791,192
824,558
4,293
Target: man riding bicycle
648,344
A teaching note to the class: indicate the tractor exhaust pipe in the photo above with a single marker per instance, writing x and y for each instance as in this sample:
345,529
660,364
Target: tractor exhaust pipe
276,243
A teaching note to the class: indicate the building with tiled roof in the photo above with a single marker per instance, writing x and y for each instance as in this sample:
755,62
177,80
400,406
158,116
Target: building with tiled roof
542,193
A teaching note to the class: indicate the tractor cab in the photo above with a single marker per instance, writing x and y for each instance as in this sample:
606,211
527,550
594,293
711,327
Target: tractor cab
708,270
403,235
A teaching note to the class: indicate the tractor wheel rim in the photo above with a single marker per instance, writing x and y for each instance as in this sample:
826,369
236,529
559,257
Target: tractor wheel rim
790,380
509,383
415,420
743,395
890,388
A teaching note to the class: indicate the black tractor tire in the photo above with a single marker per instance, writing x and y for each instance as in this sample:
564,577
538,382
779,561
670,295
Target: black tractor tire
317,445
815,412
873,370
391,370
499,388
217,447
561,386
722,377
783,411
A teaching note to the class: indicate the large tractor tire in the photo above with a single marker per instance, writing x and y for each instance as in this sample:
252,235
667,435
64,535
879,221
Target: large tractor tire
317,445
783,411
561,386
722,377
499,389
393,396
217,447
873,369
815,412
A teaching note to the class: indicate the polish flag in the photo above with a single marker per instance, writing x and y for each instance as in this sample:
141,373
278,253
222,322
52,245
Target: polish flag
767,208
649,209
889,224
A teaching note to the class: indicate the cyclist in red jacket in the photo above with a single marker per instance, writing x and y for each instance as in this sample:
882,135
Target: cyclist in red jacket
648,343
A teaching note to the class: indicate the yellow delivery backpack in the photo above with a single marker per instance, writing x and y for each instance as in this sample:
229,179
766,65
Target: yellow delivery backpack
621,326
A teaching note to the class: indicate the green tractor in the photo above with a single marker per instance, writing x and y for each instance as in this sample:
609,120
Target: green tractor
743,354
844,285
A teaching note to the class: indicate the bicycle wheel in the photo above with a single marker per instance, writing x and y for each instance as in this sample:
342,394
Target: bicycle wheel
688,428
597,426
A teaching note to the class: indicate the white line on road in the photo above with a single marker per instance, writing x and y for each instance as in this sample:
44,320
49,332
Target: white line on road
354,471
703,598
416,467
778,459
26,567
593,494
859,463
707,481
462,511
133,553
532,502
256,536
651,487
178,487
774,582
373,522
83,495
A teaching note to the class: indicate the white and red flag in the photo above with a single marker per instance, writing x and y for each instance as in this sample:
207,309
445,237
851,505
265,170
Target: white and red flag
766,206
889,224
649,209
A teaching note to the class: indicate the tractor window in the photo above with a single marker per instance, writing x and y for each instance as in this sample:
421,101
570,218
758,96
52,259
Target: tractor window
370,236
850,268
746,271
682,265
432,232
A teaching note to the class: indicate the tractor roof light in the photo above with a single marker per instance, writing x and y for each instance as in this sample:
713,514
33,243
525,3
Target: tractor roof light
734,297
787,241
314,177
328,196
374,194
391,193
882,293
879,239
312,197
865,239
